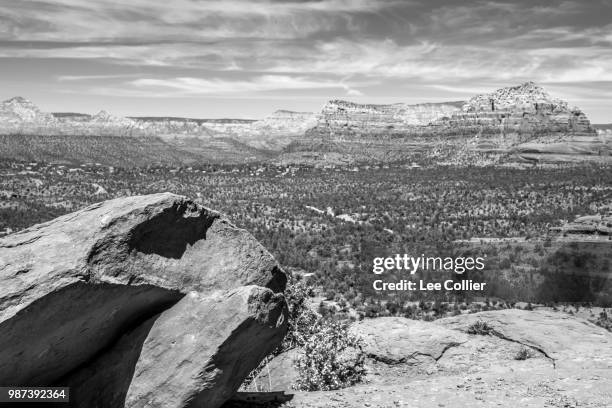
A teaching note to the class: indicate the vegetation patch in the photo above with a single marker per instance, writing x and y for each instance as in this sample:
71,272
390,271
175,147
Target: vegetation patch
604,320
481,327
332,358
523,354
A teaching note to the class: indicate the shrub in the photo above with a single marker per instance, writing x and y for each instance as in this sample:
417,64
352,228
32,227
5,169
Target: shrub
523,354
604,320
331,358
301,317
480,327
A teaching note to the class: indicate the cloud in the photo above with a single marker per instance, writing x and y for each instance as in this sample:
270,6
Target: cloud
70,78
462,89
189,86
353,92
114,20
357,48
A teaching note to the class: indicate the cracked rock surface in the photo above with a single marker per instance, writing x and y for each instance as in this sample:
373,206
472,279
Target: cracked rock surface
482,370
395,340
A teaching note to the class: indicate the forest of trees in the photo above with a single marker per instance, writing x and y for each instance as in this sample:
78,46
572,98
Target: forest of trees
332,222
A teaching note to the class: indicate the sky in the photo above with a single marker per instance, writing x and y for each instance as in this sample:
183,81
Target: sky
246,59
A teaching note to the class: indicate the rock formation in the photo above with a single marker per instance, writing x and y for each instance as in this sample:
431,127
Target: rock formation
522,120
132,286
19,113
599,225
525,108
347,118
197,353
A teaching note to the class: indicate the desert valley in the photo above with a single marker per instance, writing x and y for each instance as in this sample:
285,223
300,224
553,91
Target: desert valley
93,213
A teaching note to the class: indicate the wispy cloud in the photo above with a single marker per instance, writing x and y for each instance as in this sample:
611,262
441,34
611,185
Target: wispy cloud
216,86
110,20
69,78
354,48
189,86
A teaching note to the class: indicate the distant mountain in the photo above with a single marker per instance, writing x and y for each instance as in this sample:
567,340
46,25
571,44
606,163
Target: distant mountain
520,97
180,119
523,120
27,133
525,108
71,115
17,111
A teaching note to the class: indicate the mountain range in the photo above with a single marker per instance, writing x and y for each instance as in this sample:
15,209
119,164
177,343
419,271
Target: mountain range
523,122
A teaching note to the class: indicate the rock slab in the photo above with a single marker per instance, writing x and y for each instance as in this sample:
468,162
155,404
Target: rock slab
565,339
396,340
194,354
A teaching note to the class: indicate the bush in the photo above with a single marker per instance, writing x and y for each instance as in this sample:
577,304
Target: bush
331,358
604,320
301,318
523,354
480,327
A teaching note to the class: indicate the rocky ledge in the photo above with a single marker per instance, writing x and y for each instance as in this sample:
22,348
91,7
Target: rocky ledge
542,358
141,301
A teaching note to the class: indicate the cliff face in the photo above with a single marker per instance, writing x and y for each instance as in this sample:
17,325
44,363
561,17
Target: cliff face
287,122
18,111
347,118
271,133
523,120
526,108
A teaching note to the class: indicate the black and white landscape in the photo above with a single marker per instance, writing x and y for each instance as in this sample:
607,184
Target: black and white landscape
208,204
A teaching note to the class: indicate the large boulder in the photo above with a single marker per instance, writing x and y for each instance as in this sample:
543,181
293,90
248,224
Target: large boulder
195,354
394,340
71,287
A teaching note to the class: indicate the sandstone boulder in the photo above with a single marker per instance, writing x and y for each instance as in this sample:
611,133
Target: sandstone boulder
396,340
71,287
194,354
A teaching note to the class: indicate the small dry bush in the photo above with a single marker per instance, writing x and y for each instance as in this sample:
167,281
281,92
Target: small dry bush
331,358
523,354
480,327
